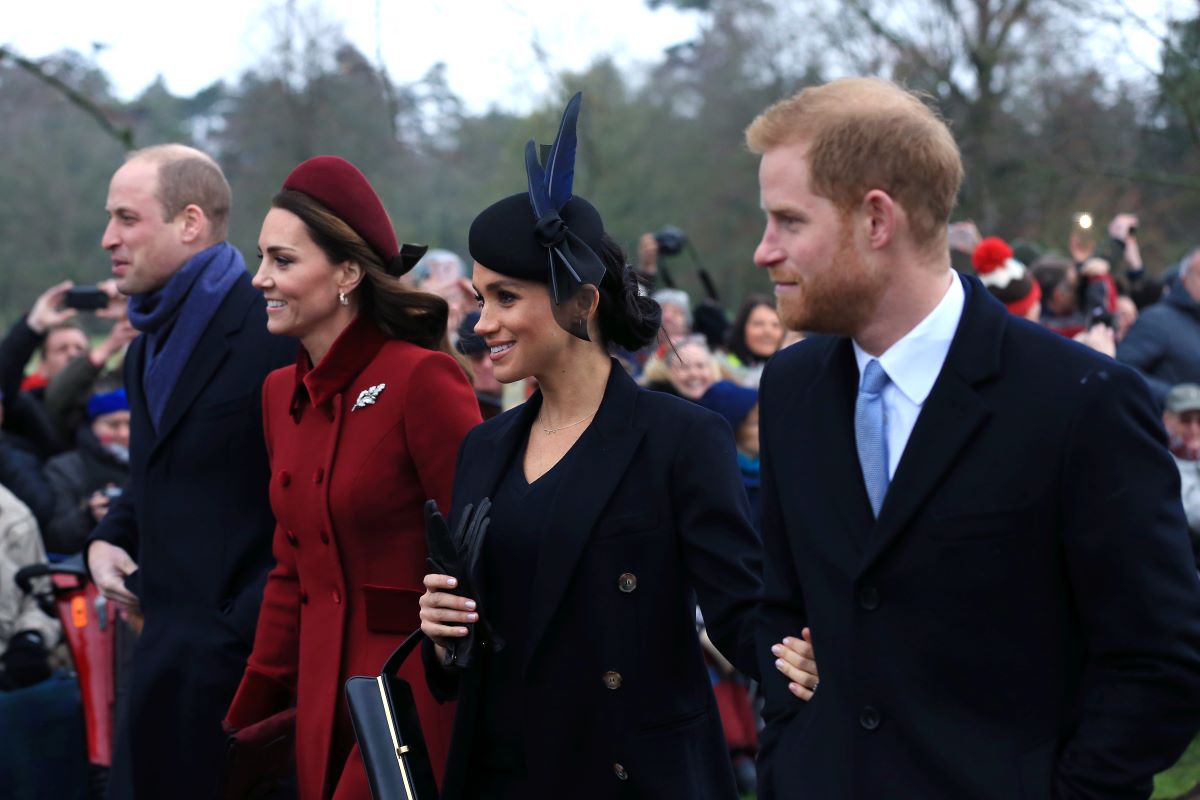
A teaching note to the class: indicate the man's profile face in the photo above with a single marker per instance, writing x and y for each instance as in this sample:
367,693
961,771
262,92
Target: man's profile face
146,250
822,281
62,347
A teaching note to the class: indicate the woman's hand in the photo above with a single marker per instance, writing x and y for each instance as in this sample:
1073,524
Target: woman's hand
441,610
796,660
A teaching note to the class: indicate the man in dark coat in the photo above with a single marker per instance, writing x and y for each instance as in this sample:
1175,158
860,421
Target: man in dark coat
189,540
1164,343
977,520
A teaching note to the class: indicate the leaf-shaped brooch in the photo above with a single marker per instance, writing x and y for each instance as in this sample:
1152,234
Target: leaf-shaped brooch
367,396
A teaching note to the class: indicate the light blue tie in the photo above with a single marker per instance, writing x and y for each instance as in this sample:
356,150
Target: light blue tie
870,433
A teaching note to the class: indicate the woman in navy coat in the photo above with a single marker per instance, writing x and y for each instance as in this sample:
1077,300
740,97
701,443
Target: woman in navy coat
614,509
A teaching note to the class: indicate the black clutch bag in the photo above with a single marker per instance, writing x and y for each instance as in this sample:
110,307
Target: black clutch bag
389,731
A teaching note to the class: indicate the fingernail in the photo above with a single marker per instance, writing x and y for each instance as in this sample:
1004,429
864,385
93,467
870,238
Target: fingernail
779,663
794,686
471,604
776,649
787,640
472,617
453,581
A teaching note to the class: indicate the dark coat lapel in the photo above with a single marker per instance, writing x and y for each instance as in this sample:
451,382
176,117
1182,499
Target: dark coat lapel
839,470
951,414
135,363
209,353
590,479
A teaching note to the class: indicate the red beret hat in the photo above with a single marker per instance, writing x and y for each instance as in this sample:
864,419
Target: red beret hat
339,186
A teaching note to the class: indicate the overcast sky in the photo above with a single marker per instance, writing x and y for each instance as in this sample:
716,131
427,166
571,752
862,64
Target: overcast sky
486,44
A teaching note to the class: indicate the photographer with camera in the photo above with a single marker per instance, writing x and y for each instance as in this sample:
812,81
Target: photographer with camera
87,479
51,331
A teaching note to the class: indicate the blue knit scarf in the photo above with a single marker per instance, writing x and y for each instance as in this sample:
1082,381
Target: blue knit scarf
172,326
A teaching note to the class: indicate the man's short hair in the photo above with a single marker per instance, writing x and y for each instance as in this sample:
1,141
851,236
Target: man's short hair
868,133
186,177
66,325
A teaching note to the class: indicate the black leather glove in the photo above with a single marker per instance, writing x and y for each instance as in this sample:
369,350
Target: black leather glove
26,661
458,555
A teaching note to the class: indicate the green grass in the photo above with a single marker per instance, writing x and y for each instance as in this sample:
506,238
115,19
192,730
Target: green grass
1180,780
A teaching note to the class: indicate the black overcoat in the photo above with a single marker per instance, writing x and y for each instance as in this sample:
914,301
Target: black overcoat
1022,621
196,519
651,516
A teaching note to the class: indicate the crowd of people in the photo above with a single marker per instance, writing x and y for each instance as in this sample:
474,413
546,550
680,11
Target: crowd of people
959,523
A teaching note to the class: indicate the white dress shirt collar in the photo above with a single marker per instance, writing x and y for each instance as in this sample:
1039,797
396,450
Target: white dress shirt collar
914,362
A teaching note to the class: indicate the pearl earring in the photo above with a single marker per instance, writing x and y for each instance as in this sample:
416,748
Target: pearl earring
343,299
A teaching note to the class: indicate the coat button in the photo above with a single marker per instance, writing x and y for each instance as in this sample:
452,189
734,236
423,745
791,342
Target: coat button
337,597
291,537
869,718
627,582
303,597
612,680
324,537
319,475
285,479
868,598
620,772
227,607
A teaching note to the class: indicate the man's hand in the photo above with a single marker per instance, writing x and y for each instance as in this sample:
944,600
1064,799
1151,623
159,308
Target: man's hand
118,304
1123,226
648,254
1100,338
963,236
1082,246
98,505
46,313
110,565
122,333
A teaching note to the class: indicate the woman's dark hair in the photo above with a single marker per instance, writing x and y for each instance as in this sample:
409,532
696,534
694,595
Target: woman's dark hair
400,312
737,332
627,318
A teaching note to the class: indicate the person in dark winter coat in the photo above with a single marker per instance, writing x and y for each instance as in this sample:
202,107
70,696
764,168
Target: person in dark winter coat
1164,343
87,478
188,542
21,474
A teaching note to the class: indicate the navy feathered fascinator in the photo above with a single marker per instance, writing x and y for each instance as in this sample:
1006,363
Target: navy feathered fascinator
547,234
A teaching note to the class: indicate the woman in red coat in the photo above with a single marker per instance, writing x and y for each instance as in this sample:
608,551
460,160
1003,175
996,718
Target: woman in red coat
360,432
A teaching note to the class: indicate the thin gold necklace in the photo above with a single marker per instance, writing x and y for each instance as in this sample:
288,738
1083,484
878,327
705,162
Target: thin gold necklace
569,425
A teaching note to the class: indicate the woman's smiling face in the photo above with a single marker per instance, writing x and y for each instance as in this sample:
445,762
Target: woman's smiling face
516,321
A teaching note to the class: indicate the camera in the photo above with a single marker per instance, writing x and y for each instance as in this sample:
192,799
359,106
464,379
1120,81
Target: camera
671,240
86,298
112,493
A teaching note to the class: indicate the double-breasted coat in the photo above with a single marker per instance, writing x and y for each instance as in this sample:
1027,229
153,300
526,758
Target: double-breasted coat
356,443
651,516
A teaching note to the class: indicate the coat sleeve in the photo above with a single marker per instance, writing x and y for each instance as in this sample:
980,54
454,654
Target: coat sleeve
1135,585
67,394
440,409
69,524
721,549
17,347
269,683
783,611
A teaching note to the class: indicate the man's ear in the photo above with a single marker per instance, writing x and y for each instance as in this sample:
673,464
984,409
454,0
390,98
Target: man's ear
881,214
195,223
